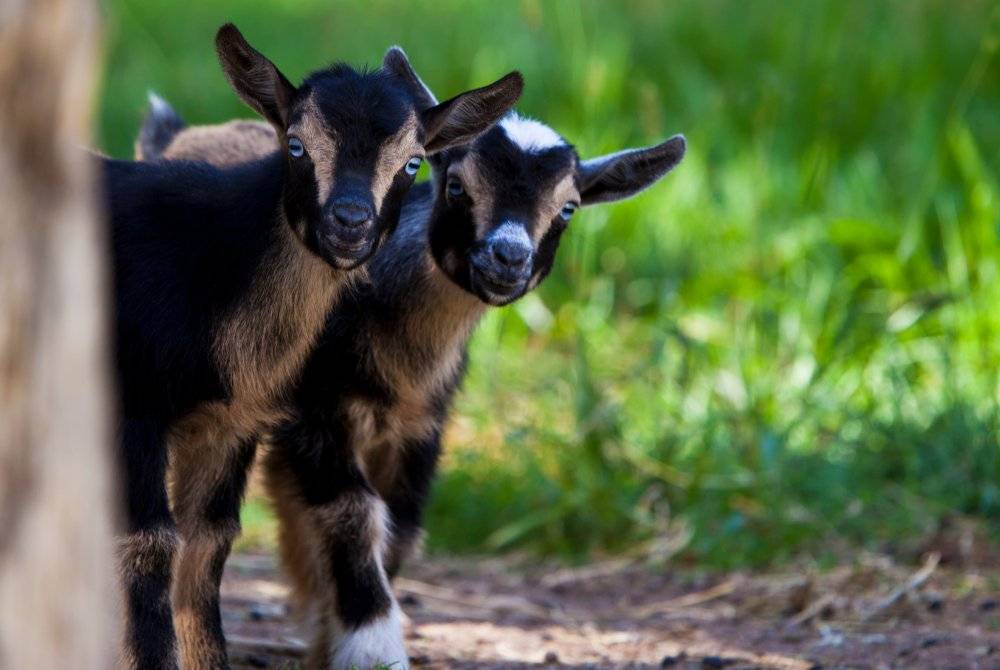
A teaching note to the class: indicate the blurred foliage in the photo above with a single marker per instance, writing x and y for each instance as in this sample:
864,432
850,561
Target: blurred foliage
790,346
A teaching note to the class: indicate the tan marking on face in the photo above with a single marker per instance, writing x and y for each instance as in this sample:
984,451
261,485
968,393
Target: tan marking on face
224,144
478,188
564,191
320,144
393,155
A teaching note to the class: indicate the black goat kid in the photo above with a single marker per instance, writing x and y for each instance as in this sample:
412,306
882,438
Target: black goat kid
350,472
223,281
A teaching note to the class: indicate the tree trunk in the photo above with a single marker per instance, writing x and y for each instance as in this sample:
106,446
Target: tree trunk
56,554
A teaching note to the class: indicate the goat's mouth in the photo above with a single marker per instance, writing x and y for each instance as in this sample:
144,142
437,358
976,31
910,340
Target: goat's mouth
347,248
496,290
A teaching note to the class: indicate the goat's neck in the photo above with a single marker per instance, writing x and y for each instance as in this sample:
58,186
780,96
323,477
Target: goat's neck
263,342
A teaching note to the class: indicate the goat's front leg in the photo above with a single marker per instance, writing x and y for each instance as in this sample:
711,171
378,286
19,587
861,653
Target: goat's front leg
146,552
207,485
334,533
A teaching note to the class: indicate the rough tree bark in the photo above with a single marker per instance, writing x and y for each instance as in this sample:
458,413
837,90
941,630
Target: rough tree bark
56,554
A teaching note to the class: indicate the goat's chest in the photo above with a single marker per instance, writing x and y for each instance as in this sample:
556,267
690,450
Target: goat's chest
411,413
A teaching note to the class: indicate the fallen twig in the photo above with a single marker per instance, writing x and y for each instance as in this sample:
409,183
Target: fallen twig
691,599
909,586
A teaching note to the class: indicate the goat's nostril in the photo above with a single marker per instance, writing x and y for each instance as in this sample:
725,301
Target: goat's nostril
512,255
352,215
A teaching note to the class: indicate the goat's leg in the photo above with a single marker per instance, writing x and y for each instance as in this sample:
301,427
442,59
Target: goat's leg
146,551
340,527
406,495
207,485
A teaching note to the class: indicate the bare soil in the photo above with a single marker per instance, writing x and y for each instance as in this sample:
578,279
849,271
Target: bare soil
499,614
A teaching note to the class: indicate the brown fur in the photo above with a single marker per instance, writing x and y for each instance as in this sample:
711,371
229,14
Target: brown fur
196,475
223,145
302,559
195,596
264,343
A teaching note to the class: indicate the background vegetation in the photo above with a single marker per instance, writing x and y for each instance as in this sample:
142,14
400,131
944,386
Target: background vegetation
790,346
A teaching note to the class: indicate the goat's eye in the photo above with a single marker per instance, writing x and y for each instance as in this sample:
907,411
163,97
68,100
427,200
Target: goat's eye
567,211
413,165
455,187
295,147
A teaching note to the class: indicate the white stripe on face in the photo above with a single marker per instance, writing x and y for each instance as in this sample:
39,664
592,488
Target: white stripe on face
528,134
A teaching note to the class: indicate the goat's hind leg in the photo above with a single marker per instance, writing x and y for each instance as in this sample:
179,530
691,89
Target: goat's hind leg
207,486
146,551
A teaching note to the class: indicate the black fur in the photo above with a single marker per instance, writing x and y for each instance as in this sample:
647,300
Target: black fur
187,241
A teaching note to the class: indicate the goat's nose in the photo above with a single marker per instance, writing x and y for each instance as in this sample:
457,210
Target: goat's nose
511,254
351,213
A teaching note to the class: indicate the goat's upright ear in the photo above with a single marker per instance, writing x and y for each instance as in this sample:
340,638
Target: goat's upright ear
468,115
397,63
623,174
254,78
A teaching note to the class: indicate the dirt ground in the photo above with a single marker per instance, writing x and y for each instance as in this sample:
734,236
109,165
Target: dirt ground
491,614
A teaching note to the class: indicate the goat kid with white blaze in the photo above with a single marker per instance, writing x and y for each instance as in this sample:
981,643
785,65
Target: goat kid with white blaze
223,280
369,411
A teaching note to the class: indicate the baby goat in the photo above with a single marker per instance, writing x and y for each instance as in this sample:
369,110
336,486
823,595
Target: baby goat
223,281
350,472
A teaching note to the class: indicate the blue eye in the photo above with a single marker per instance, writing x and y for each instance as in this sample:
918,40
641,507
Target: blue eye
567,211
413,165
295,147
455,187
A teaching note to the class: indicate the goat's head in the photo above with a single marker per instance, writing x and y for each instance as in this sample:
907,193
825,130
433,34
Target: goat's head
503,202
353,141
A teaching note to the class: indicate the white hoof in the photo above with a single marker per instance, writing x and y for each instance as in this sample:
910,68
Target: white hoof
378,645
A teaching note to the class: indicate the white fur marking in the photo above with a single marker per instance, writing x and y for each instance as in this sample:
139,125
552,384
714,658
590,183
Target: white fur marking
377,643
529,134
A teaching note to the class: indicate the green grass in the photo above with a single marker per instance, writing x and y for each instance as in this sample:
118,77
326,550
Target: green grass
790,346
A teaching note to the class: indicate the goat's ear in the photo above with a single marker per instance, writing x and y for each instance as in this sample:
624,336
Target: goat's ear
397,63
254,78
468,115
623,174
